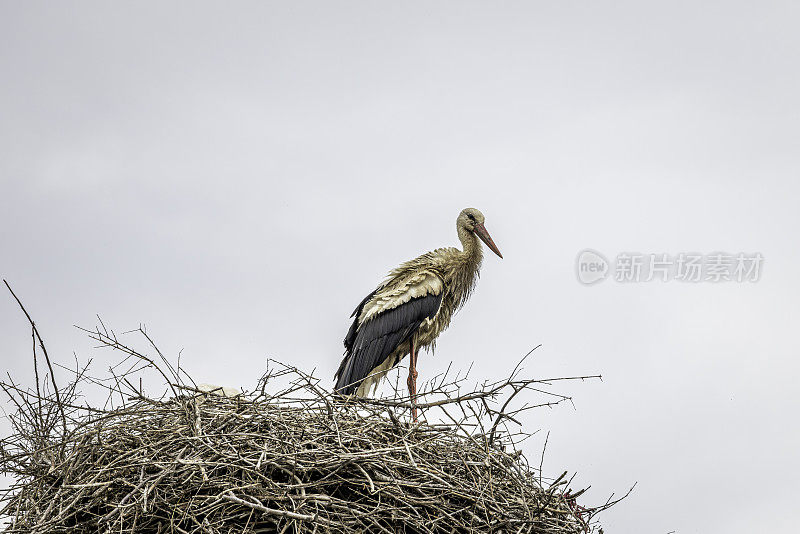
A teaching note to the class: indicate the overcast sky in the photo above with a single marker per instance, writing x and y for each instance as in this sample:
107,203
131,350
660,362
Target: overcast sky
239,175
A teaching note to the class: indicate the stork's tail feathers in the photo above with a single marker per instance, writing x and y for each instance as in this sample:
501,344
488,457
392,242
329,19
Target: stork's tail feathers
344,386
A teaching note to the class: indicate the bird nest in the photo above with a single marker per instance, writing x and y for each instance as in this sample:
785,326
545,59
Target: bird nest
287,457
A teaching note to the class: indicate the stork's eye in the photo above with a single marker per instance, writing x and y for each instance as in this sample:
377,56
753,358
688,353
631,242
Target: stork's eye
471,216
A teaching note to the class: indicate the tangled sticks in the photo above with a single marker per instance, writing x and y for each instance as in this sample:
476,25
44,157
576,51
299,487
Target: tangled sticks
296,460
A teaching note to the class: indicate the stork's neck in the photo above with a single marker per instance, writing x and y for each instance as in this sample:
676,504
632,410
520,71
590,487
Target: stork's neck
472,250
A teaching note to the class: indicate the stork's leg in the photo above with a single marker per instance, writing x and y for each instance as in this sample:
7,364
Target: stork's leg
412,379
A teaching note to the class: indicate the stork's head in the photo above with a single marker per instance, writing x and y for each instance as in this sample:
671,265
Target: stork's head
472,221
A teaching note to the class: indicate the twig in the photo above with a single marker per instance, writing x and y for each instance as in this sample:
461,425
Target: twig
46,357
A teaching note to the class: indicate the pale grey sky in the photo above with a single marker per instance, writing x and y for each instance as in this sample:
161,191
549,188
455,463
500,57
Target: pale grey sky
238,175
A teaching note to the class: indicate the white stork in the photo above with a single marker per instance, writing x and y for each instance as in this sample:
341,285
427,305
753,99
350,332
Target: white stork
410,309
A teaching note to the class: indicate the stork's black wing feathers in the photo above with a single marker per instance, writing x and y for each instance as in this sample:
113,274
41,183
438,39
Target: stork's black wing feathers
350,338
368,346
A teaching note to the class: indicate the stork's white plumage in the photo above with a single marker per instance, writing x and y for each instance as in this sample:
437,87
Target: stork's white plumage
411,308
222,391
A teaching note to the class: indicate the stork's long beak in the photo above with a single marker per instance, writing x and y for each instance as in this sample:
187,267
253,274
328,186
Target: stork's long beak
480,230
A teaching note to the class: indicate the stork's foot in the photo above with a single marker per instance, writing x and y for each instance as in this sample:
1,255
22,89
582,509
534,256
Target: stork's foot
414,412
